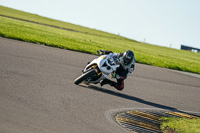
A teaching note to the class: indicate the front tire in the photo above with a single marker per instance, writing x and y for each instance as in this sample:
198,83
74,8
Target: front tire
84,76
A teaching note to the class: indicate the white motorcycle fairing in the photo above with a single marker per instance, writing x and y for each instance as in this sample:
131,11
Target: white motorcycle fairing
105,63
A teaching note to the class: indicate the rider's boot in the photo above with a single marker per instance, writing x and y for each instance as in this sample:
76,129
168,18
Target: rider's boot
107,81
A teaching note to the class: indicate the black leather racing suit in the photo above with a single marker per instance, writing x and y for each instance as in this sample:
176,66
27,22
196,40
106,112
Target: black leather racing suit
122,73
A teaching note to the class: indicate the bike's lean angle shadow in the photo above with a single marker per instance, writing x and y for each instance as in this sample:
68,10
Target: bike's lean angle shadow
129,97
132,98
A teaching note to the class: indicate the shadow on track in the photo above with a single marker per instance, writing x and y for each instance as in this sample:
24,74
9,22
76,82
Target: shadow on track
129,97
132,98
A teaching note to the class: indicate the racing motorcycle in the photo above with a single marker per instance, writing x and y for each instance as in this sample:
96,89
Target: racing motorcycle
98,69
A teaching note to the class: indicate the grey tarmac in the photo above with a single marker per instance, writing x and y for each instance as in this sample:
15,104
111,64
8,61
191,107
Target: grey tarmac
37,93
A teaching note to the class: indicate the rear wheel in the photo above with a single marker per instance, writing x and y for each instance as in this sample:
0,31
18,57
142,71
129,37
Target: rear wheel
84,76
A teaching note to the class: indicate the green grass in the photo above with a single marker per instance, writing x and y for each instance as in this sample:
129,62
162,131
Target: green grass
181,125
33,17
90,40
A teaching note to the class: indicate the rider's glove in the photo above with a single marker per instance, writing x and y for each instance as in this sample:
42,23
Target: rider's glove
101,52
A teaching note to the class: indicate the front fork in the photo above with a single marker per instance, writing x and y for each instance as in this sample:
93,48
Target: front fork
98,73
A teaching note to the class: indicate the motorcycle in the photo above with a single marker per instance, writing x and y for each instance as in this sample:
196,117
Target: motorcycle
98,69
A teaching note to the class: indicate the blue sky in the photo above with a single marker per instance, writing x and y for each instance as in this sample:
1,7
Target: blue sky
168,23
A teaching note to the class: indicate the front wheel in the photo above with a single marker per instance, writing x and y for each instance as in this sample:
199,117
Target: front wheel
84,76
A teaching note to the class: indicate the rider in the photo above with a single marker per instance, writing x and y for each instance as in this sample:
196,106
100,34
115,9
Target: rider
127,63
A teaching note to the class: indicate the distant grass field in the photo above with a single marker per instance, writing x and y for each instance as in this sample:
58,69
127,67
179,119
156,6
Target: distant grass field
75,37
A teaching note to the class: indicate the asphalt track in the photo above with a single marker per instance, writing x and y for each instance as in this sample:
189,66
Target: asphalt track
37,93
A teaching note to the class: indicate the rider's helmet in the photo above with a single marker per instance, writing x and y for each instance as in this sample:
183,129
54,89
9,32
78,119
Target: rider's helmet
128,57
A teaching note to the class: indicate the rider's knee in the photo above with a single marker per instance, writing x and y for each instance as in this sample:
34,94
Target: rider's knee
120,88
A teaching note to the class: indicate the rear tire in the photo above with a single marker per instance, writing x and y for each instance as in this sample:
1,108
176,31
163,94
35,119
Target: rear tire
84,76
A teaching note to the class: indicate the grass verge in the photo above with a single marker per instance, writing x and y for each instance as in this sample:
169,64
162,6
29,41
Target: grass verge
83,39
180,125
